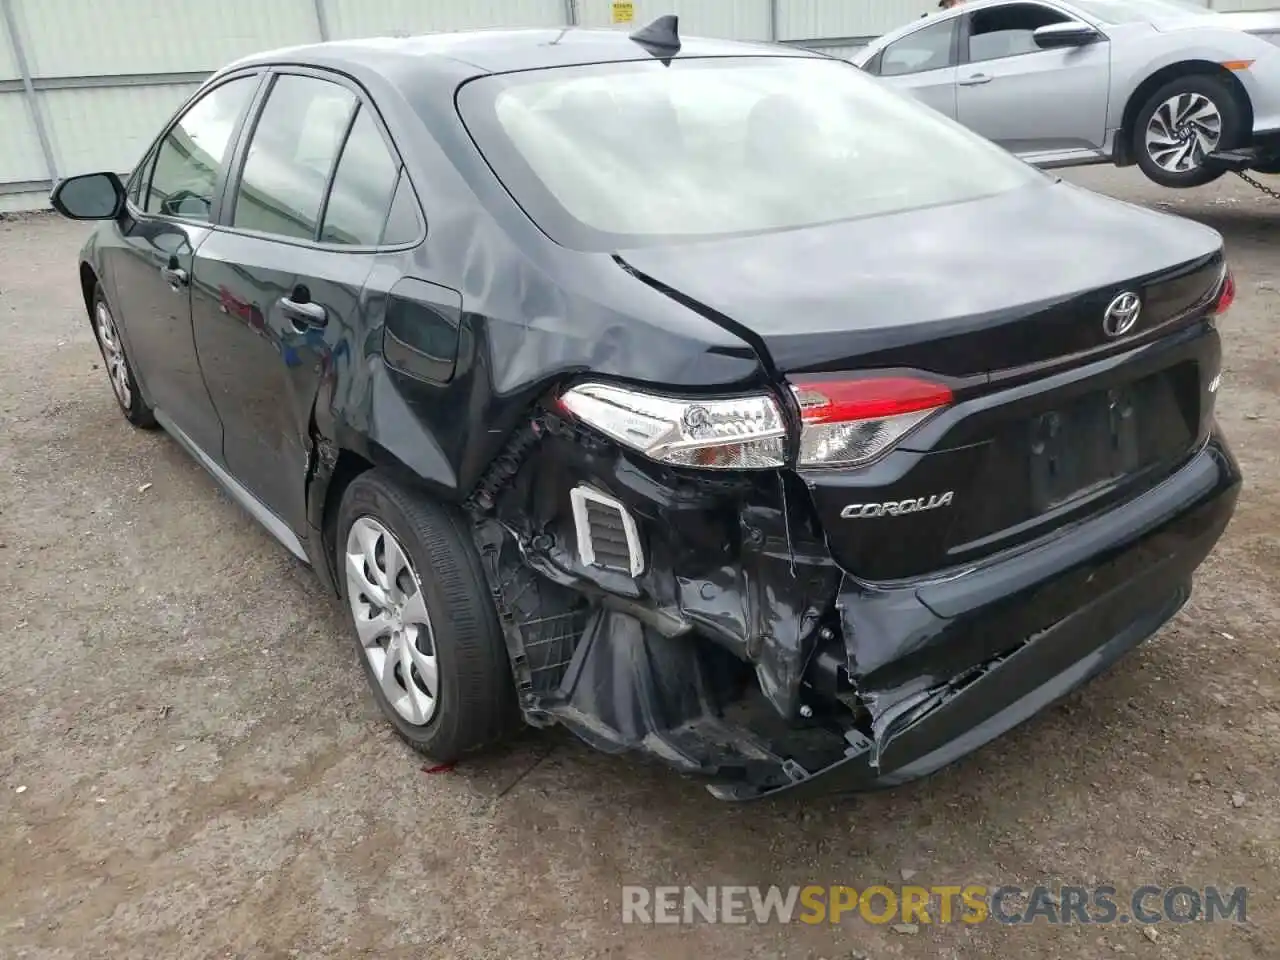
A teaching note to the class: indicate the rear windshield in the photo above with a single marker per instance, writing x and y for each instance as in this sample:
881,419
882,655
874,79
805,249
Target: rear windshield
627,154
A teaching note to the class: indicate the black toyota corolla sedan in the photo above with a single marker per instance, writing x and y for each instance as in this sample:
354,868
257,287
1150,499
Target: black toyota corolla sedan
706,398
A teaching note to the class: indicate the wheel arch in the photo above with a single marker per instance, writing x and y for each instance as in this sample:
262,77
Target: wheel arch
346,467
88,284
337,466
1124,155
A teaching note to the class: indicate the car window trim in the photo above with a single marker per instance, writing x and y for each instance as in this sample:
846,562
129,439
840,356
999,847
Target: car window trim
141,173
152,153
966,28
245,134
141,176
333,173
239,157
386,219
953,56
402,179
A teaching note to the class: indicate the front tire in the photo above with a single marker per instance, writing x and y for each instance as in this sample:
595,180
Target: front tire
1181,123
123,382
424,622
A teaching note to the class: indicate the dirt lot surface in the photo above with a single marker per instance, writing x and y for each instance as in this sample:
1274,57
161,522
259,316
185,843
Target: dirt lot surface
190,765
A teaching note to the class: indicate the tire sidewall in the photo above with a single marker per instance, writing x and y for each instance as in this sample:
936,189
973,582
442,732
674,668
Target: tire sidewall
363,499
1233,132
137,413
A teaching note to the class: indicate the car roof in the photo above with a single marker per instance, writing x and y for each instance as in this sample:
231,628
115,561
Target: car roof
499,51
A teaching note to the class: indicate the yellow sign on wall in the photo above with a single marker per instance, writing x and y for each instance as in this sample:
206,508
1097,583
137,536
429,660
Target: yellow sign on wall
624,11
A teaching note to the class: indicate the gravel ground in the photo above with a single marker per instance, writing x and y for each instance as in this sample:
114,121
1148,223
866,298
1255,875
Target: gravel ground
190,765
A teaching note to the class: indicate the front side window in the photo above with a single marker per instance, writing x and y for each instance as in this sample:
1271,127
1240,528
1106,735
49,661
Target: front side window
1008,31
929,48
626,154
362,187
291,153
190,158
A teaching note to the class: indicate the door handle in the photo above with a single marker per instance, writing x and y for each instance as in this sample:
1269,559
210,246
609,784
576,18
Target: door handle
976,79
304,313
176,277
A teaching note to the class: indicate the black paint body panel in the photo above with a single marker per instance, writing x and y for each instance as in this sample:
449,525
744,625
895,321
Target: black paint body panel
436,358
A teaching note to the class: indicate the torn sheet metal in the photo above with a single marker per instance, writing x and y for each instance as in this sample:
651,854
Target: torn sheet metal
736,596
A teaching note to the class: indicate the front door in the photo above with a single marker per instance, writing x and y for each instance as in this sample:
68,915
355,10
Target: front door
151,269
1027,99
923,63
278,291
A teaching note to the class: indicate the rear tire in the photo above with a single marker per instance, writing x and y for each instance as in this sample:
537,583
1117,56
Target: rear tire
119,370
1187,118
456,696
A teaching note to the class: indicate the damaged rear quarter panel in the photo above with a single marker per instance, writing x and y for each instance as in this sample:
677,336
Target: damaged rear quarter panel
530,315
734,588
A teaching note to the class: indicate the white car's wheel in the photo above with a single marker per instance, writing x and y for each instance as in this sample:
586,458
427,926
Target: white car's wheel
1182,123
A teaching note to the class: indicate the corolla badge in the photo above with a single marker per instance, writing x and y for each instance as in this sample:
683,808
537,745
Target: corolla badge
1122,313
896,508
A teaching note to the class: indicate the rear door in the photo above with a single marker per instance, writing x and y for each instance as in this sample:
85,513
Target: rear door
280,282
170,212
1026,99
923,63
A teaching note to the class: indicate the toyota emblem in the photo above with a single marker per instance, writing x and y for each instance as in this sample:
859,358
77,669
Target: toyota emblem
1122,314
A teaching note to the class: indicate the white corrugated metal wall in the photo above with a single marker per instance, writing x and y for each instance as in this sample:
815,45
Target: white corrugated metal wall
84,84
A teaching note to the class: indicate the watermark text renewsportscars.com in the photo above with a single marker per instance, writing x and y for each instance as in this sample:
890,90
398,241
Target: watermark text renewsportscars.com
940,904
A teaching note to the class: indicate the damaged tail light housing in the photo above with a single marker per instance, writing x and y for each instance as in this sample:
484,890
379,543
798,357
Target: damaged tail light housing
843,423
847,423
734,433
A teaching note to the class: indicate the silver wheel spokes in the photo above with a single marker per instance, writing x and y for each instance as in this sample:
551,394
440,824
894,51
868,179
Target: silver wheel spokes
1183,131
105,328
392,621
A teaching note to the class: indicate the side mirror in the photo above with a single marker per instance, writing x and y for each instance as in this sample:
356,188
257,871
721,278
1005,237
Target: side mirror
1072,33
90,196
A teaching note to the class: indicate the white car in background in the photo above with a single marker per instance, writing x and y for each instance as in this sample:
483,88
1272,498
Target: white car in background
1160,83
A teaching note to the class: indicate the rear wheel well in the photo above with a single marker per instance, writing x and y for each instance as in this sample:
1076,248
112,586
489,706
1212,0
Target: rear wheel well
88,284
1123,149
348,466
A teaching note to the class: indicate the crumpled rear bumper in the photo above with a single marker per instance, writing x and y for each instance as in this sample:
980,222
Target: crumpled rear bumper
1141,571
744,656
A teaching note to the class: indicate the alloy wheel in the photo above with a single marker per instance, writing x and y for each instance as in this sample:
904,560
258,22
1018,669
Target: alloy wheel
1183,131
391,620
104,327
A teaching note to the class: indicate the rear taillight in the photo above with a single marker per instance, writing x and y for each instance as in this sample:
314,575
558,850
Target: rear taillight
843,423
847,423
1226,293
723,433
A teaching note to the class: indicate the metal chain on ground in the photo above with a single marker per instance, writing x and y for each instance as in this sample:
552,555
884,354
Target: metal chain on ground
1269,191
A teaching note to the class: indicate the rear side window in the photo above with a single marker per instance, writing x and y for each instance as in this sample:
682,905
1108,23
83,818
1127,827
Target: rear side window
362,187
291,154
929,48
190,158
404,224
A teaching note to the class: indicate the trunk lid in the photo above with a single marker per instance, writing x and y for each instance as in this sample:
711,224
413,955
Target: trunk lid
1004,299
960,290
